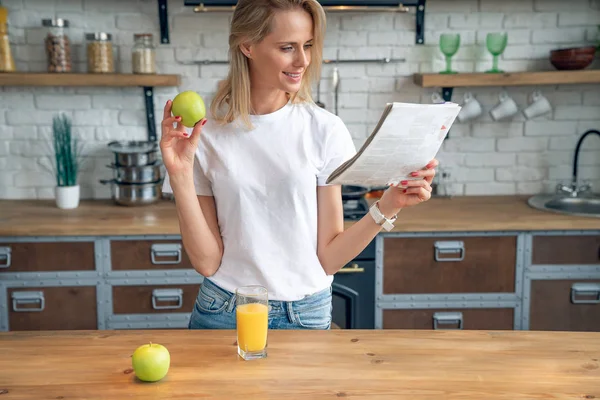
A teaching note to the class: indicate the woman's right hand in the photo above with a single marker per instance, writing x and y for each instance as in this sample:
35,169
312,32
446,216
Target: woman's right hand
177,148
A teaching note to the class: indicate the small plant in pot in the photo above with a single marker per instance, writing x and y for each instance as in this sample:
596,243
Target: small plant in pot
66,160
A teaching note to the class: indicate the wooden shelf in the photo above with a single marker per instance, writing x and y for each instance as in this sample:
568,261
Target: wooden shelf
76,79
507,79
147,82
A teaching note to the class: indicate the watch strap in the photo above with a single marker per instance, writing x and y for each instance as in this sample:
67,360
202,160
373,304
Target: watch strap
380,219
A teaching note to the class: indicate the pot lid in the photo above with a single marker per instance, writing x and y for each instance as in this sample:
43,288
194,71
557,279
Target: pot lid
132,146
353,191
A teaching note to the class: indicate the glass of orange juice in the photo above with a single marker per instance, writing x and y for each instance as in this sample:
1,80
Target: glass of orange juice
252,318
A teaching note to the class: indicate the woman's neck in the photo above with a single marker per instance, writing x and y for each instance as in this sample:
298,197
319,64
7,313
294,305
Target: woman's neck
268,100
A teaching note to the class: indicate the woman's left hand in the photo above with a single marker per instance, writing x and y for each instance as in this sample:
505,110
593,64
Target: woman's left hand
410,192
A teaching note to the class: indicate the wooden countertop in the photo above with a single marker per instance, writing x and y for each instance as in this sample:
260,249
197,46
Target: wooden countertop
103,217
382,364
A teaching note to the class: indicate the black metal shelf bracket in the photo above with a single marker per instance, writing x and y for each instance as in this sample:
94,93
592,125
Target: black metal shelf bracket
149,101
420,22
163,16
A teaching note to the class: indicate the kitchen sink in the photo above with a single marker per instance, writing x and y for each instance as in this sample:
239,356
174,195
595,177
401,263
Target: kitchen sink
571,199
588,206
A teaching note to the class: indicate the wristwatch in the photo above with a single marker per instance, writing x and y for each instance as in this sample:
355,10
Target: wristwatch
380,219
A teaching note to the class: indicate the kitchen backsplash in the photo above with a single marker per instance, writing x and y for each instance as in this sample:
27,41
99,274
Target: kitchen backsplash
482,157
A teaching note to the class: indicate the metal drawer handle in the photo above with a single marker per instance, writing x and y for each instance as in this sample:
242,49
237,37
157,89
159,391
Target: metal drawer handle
27,298
167,295
449,247
585,289
5,257
351,269
165,250
447,318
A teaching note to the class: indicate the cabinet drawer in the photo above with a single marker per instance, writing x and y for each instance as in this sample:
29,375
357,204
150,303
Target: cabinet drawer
566,250
469,319
565,305
151,299
148,255
46,257
449,265
52,308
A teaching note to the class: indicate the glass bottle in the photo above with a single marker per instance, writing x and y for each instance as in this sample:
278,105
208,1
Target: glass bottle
100,52
7,63
58,45
143,57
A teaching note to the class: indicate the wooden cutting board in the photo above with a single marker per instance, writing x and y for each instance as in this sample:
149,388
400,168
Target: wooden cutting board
377,364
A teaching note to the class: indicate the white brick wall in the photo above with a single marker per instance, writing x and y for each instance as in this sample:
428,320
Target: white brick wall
483,157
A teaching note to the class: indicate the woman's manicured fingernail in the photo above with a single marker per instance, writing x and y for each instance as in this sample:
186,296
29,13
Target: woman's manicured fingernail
414,174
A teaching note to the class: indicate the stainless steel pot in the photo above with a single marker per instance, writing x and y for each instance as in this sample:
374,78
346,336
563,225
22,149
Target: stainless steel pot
134,194
139,174
134,153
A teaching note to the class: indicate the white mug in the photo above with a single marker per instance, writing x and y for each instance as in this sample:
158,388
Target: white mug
539,105
471,108
437,98
505,108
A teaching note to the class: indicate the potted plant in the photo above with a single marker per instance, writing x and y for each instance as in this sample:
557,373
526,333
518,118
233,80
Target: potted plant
65,160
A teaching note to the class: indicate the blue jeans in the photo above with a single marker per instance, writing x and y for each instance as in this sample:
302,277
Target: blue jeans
215,309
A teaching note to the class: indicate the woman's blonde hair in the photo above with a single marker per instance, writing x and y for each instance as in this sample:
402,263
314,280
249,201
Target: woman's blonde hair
252,22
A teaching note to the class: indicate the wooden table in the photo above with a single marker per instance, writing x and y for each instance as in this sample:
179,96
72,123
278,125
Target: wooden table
103,217
379,364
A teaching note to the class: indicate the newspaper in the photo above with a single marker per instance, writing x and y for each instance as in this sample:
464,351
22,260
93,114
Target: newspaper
405,139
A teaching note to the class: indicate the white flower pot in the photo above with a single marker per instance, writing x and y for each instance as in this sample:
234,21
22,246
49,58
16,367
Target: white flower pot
67,197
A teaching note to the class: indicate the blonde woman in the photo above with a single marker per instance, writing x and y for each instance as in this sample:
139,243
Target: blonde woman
249,181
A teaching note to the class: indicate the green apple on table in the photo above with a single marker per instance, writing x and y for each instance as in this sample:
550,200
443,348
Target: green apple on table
151,362
188,105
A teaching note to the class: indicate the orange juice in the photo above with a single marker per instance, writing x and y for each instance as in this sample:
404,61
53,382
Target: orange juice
252,326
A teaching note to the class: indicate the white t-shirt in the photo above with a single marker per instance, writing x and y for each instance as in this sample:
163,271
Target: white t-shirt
264,183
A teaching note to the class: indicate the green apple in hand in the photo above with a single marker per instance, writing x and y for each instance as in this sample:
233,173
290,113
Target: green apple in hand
151,362
190,107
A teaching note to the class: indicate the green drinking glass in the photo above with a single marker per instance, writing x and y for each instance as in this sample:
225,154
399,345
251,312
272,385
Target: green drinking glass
496,43
449,44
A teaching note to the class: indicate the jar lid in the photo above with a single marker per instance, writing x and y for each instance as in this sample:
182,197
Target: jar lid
142,35
55,22
98,36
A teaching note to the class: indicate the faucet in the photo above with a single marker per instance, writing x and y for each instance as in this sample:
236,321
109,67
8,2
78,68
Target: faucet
573,190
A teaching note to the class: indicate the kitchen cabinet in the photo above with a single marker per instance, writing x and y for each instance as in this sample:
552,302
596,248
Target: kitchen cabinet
447,276
127,255
18,257
450,281
542,280
562,282
566,250
153,299
52,308
565,305
449,265
472,318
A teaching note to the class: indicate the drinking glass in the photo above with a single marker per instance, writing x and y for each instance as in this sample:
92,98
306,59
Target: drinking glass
252,319
449,44
496,43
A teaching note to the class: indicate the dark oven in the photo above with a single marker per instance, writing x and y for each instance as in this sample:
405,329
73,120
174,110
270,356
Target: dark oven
354,292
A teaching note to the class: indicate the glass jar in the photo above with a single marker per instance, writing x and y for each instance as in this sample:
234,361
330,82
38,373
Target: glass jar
143,54
100,52
58,45
7,63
